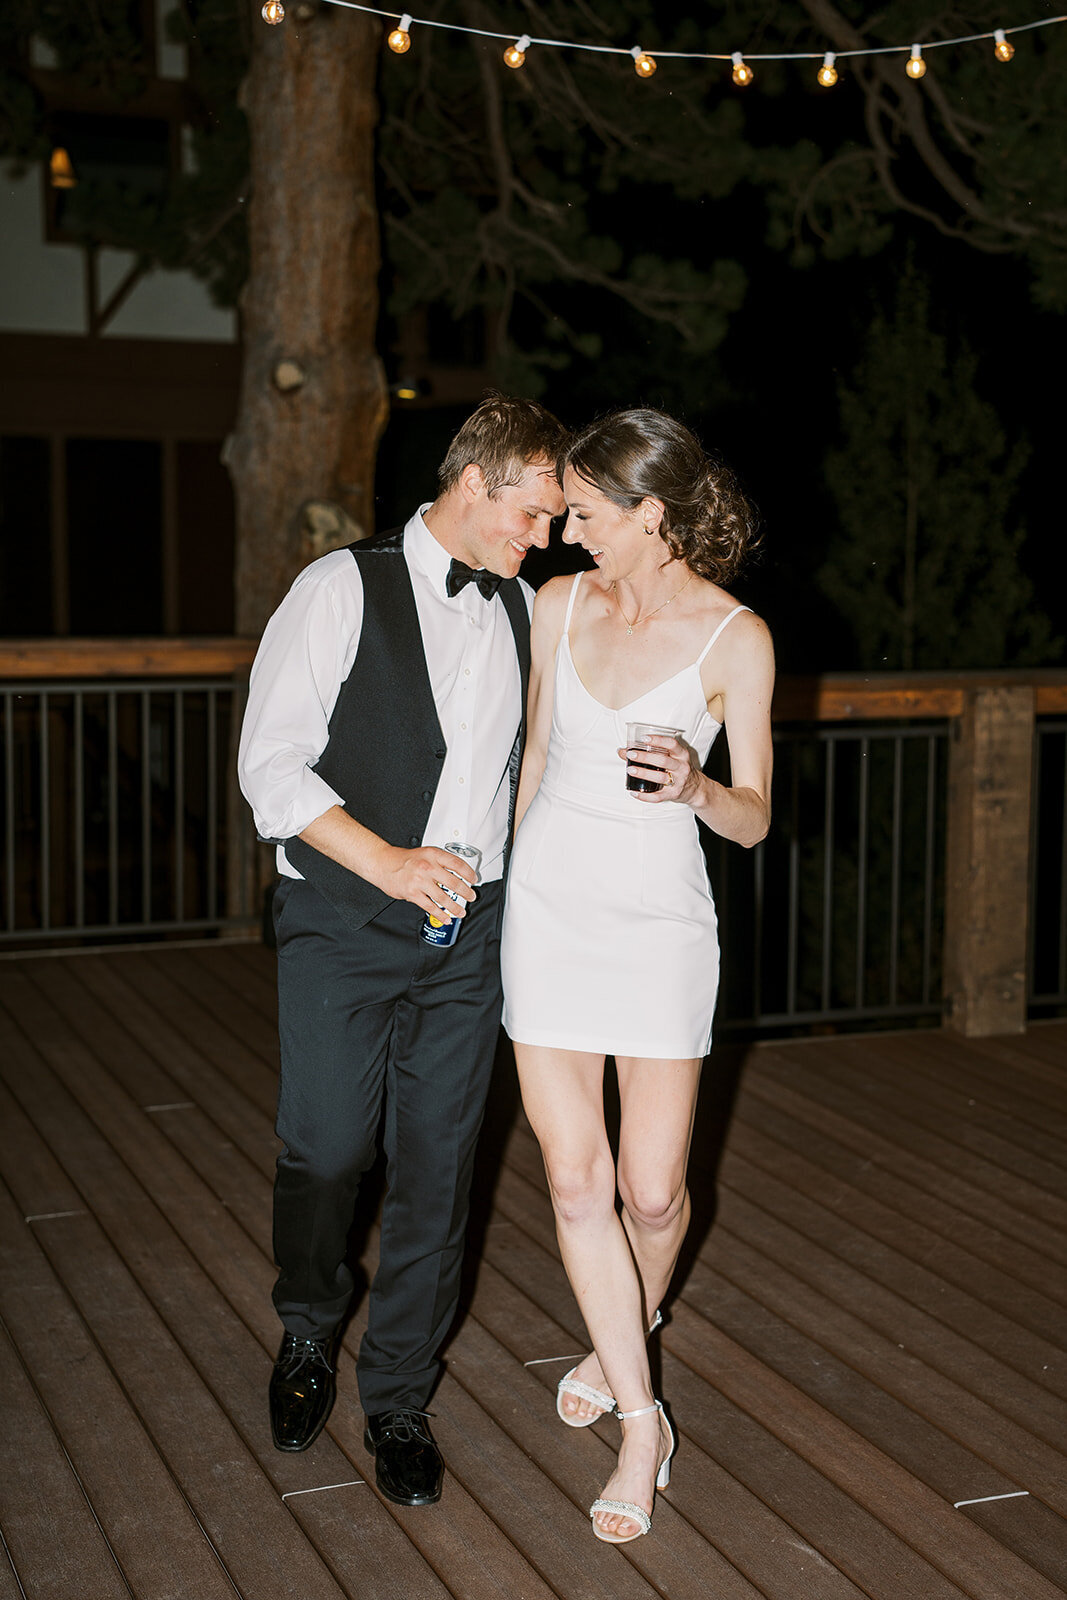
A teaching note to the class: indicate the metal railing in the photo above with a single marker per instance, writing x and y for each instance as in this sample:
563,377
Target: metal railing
114,808
836,917
121,820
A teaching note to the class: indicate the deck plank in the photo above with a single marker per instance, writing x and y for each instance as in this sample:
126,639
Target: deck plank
878,1137
53,1541
869,1331
773,1139
368,1554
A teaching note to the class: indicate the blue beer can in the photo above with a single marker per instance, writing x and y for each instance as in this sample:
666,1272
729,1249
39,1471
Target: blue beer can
434,930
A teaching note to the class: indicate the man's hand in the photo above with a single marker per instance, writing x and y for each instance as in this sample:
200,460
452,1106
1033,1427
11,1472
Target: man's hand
432,879
421,876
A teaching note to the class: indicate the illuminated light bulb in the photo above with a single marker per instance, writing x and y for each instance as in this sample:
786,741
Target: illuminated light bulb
742,73
1003,49
515,54
644,64
60,170
915,66
827,73
399,41
273,12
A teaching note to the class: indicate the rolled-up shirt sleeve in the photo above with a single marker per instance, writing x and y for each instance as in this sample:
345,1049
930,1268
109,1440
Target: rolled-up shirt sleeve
306,653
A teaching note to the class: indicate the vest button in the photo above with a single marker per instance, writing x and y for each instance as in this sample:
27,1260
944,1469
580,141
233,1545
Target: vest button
427,794
414,839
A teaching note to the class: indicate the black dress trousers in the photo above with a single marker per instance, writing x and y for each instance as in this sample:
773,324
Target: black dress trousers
364,1017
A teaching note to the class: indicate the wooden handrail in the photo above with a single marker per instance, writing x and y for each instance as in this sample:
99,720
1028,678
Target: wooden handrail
830,697
125,658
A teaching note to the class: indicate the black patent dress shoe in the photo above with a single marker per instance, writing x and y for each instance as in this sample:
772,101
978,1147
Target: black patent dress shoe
302,1391
407,1463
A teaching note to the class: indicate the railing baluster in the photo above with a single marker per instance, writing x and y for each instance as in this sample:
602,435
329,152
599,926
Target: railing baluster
9,811
758,863
861,871
793,949
79,809
928,870
45,813
829,771
146,805
212,844
112,808
179,805
894,869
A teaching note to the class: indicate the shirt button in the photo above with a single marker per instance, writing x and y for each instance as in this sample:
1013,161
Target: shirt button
463,727
462,780
466,672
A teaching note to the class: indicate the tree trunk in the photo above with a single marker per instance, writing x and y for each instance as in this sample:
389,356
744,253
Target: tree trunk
313,397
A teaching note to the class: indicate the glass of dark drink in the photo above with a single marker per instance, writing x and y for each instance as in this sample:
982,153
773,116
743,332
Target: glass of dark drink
645,736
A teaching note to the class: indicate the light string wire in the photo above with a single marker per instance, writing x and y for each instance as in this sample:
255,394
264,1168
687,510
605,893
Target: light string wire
694,55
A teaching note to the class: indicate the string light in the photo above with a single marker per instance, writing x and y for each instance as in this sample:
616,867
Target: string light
515,54
399,41
273,12
1003,49
827,73
60,170
742,73
645,65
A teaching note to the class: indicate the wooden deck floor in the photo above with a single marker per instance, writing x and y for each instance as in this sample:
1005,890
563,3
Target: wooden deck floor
871,1333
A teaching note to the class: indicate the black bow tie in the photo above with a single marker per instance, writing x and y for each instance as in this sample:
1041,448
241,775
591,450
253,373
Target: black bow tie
459,575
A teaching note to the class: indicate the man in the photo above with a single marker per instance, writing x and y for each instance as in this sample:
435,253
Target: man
385,720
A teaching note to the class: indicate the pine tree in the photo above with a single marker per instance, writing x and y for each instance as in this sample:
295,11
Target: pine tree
925,562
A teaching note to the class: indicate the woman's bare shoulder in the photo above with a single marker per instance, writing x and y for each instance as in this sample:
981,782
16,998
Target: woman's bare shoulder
552,600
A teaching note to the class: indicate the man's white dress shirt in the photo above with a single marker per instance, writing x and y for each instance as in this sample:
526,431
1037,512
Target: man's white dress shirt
304,657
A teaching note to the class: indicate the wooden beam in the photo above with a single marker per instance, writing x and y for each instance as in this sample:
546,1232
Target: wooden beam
988,861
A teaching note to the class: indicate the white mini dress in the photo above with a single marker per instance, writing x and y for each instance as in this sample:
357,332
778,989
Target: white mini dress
610,940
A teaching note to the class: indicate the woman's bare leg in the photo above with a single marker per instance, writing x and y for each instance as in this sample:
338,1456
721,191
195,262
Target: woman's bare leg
563,1096
658,1103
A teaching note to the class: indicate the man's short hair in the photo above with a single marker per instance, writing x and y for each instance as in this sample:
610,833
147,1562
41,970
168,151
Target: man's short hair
502,437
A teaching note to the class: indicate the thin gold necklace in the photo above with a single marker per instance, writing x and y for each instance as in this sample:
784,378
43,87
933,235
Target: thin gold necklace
636,623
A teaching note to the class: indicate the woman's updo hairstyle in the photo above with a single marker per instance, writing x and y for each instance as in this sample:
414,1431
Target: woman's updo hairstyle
628,455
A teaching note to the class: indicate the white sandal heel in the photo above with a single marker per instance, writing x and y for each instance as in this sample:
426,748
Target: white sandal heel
569,1384
627,1508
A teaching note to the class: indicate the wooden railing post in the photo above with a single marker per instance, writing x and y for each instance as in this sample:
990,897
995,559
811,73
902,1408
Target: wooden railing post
987,889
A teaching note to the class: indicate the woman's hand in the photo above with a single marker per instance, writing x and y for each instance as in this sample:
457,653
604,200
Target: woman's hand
672,765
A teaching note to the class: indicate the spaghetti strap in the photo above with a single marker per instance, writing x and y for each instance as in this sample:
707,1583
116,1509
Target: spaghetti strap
578,576
729,617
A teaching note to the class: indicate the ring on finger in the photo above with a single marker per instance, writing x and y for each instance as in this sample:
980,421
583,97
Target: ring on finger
670,775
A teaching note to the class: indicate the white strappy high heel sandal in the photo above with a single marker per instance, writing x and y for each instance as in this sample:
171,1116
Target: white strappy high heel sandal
627,1508
569,1384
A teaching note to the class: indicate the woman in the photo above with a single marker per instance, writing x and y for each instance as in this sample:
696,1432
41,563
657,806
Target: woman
609,943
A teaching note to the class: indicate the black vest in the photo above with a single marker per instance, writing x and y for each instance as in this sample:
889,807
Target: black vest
385,748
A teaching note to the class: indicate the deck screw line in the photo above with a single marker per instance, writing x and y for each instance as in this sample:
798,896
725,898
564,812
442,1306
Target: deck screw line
51,1216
